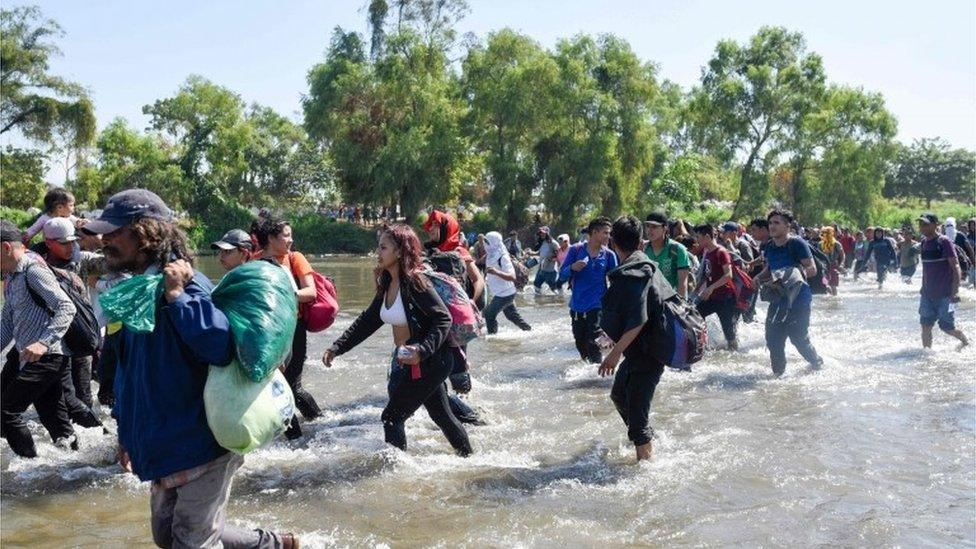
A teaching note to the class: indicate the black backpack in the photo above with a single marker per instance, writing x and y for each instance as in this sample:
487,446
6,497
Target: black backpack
83,333
818,284
451,264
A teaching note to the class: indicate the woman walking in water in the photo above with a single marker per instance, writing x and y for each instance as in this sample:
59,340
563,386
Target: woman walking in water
421,362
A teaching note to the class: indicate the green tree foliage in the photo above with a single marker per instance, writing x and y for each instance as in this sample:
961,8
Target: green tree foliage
932,170
21,177
510,86
38,104
751,99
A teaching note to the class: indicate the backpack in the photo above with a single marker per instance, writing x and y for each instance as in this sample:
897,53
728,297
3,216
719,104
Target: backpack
83,333
685,334
451,264
521,274
744,288
466,320
963,258
321,313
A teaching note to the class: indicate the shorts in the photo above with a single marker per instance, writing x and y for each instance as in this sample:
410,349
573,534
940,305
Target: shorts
939,310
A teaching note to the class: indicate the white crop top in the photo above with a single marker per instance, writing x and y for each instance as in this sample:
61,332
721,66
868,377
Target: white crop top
395,315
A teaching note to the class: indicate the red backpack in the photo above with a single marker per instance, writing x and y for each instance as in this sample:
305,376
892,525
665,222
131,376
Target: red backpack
321,313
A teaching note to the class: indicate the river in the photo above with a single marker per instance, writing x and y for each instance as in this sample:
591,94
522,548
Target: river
876,449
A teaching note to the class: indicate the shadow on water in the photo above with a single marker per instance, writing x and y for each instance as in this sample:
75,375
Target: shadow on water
731,382
589,467
324,471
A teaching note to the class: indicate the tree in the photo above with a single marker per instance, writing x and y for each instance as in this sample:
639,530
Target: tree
509,85
751,99
207,122
21,178
34,102
930,169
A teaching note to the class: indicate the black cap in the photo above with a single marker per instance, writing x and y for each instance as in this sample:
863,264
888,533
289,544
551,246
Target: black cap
657,217
234,238
928,218
9,232
128,206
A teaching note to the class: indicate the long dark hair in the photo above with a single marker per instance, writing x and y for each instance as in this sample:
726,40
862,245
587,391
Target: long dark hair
411,259
161,241
266,226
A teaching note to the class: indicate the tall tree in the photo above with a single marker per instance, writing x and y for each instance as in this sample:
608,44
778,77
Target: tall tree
21,178
509,85
38,104
751,99
931,169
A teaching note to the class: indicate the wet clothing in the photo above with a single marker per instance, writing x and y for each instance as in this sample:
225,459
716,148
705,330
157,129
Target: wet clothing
940,309
884,254
590,283
429,323
790,254
159,383
794,325
191,514
504,305
673,258
23,320
727,314
632,392
37,383
586,329
937,276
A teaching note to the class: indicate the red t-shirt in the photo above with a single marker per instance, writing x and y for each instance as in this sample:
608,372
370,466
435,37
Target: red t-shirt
847,243
714,264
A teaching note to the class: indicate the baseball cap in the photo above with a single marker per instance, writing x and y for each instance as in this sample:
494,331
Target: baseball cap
9,232
656,218
928,218
730,226
60,229
128,206
543,229
563,237
234,238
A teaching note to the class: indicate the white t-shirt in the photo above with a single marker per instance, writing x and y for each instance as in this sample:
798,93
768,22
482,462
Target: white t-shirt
497,285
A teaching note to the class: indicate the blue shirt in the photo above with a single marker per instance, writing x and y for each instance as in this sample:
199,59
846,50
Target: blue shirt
159,384
790,255
589,284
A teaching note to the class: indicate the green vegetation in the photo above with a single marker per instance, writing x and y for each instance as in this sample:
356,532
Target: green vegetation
411,115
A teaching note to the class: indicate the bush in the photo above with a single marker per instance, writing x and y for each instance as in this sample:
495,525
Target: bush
905,212
314,234
18,217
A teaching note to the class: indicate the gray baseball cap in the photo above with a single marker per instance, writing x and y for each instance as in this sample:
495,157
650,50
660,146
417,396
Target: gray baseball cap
60,229
234,238
128,206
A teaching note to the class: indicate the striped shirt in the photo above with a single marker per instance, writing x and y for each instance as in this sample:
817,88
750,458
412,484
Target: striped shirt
23,321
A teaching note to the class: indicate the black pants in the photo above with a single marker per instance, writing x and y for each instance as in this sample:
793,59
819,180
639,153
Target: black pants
293,374
37,383
108,361
795,325
461,383
728,317
503,305
81,375
586,328
407,395
79,413
633,389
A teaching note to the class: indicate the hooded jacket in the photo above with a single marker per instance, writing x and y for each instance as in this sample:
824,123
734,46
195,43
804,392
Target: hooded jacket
635,297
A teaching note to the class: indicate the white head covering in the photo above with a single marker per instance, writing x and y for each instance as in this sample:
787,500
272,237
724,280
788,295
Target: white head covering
950,228
495,246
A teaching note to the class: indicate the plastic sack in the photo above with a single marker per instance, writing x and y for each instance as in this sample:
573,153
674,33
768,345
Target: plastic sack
133,302
244,415
260,304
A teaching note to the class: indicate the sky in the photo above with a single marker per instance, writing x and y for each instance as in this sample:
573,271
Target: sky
920,55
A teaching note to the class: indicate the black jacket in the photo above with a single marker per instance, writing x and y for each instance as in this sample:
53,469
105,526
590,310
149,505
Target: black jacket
635,297
427,317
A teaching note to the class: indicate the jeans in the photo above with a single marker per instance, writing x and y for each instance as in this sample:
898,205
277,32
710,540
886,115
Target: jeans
79,413
940,310
633,389
304,401
728,317
37,383
108,360
503,305
407,395
586,328
546,277
193,515
795,326
81,374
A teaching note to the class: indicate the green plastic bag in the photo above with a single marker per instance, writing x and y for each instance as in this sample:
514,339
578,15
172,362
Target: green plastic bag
244,415
133,302
260,304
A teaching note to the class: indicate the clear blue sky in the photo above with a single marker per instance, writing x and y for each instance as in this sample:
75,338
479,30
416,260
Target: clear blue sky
920,55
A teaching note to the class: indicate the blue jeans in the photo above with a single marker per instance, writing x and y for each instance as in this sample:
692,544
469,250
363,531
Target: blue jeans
795,326
503,305
938,309
546,277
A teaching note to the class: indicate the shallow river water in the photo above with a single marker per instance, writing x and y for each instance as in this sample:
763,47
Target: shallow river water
876,449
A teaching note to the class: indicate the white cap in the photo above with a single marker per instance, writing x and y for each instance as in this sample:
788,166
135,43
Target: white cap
60,229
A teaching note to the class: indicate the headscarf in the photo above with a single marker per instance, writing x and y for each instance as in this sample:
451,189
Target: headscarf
827,240
450,238
950,228
495,246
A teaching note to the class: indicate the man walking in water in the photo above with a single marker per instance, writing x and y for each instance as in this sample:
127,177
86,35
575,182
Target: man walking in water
634,319
940,282
788,316
587,265
163,433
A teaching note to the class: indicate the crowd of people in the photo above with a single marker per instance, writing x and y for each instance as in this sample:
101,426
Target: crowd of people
623,275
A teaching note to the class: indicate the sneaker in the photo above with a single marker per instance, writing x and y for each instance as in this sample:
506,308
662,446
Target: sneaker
67,443
290,541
